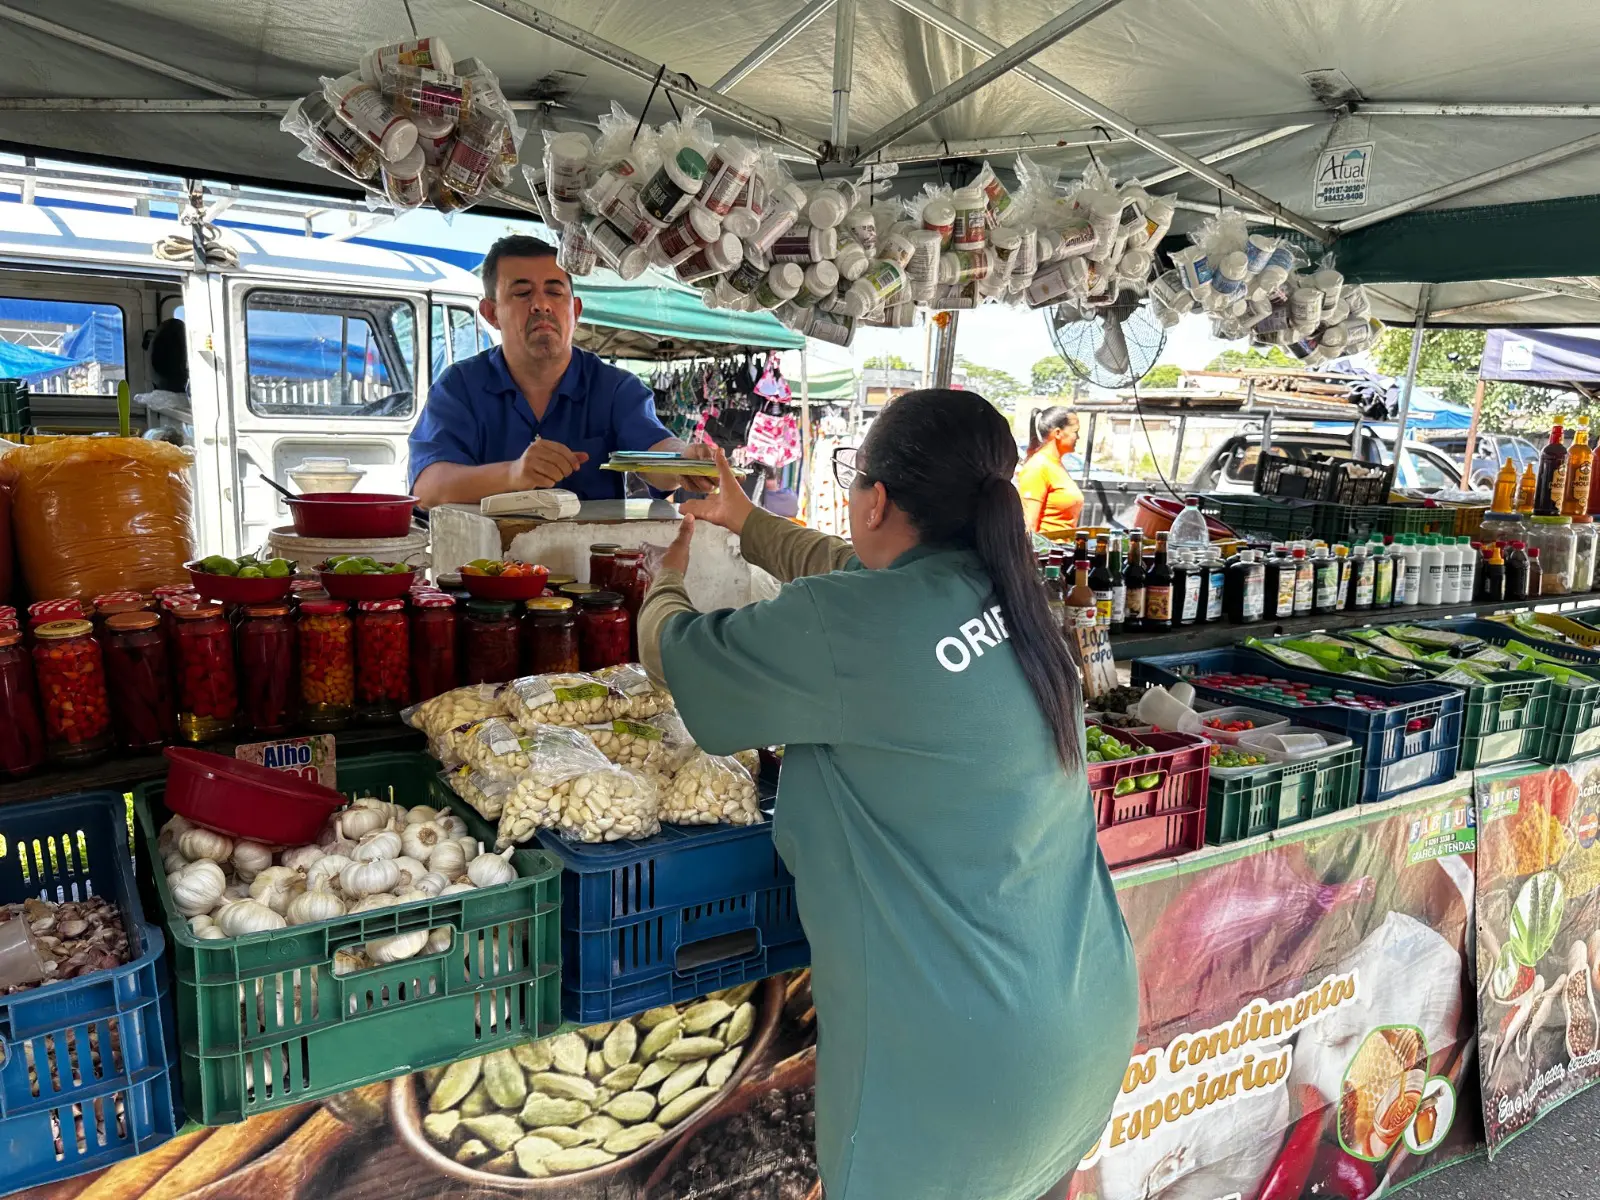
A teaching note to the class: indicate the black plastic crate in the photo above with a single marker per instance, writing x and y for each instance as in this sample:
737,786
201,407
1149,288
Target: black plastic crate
1321,477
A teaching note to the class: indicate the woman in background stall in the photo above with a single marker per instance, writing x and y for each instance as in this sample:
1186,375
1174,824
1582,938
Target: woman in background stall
1051,501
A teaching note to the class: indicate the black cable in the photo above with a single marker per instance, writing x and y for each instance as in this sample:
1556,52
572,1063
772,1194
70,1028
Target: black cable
409,17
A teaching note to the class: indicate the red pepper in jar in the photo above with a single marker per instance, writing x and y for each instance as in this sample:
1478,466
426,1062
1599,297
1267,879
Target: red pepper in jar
602,556
21,730
434,667
139,679
265,641
208,686
327,663
72,690
383,658
603,631
489,642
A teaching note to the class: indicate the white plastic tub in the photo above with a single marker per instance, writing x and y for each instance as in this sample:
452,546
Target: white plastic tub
284,542
1264,722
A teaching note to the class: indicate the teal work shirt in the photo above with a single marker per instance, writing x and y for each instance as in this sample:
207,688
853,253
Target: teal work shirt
974,982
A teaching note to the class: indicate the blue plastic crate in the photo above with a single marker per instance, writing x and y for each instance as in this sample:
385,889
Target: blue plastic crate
1382,736
1499,633
86,1079
689,911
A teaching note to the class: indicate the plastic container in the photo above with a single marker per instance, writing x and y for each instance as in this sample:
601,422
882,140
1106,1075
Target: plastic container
1558,553
549,636
369,112
71,677
434,638
1160,822
489,642
245,800
303,1032
385,586
308,553
1261,517
208,684
1321,477
325,641
1263,722
22,741
229,589
603,631
359,515
138,681
671,917
52,1091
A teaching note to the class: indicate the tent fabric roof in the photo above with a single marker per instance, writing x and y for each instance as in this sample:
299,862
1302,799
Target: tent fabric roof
1541,356
1441,90
655,316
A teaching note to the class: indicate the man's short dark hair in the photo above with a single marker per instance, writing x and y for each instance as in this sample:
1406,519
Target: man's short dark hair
516,245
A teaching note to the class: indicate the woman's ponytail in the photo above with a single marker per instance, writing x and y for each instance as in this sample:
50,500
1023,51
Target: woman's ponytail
1045,421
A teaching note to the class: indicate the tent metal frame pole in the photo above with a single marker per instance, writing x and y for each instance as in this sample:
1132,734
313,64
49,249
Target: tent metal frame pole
805,435
1424,108
999,63
246,107
529,17
1483,304
1115,122
779,38
100,46
1070,139
1410,383
1472,436
1231,151
1472,183
943,361
844,69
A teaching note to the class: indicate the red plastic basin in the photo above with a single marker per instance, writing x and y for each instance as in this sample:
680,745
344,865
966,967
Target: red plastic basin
1152,514
245,800
230,589
366,587
352,515
505,587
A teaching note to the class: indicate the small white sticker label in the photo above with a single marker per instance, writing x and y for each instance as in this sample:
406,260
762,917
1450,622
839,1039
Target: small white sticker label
1342,177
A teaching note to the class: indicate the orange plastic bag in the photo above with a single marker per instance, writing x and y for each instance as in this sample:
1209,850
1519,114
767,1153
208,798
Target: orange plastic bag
93,515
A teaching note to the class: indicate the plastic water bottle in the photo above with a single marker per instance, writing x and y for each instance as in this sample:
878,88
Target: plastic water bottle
1189,531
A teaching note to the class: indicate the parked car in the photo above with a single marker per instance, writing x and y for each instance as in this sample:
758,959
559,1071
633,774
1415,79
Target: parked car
1232,465
1488,452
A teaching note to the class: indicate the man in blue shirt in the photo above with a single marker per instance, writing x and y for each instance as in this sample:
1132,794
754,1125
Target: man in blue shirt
536,411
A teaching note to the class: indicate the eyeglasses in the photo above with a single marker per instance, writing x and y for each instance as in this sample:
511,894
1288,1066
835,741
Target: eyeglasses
845,470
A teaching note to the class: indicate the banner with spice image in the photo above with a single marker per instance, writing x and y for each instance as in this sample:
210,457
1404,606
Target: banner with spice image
1538,931
1293,992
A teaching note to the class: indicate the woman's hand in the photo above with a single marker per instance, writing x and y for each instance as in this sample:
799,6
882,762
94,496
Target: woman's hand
728,506
677,556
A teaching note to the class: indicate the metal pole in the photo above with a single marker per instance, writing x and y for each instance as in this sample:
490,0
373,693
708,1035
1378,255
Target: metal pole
844,68
805,436
1227,152
780,38
1115,122
1177,442
985,73
714,102
247,107
1472,436
90,42
1088,445
1422,108
944,349
1423,299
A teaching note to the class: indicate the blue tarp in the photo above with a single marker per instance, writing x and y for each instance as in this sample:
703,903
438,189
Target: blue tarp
97,338
24,362
1541,356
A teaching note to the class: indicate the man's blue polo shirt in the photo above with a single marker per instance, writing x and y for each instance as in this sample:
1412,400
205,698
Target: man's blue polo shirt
476,414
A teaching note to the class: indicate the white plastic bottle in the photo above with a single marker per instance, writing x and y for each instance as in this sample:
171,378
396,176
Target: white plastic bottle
1396,551
1189,530
1469,570
1432,571
1412,554
1451,592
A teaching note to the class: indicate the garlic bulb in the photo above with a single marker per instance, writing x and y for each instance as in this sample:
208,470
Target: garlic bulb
489,869
311,906
418,840
347,962
431,884
470,846
455,889
274,887
453,826
197,888
421,814
246,916
410,871
369,878
249,858
172,860
324,873
374,901
385,843
211,934
448,859
196,924
175,828
301,857
199,843
440,939
236,891
407,895
358,822
394,949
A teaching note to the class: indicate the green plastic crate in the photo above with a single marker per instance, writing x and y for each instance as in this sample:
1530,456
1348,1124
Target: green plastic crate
264,1023
1281,794
1572,725
1319,786
1504,721
1273,517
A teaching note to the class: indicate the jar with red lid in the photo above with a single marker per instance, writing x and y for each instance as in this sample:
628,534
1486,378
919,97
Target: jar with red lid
208,684
603,628
138,680
265,642
434,663
125,596
21,728
549,636
383,659
41,612
602,555
326,642
72,691
632,580
489,641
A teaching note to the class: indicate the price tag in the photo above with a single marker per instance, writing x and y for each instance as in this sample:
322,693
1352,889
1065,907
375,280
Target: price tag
1099,665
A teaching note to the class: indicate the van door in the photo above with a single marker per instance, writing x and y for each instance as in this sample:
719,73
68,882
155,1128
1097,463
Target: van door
319,372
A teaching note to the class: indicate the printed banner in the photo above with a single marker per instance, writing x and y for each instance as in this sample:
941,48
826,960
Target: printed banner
1303,1022
1538,931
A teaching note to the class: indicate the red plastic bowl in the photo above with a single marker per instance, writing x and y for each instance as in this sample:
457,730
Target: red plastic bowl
366,587
503,587
245,800
352,515
230,589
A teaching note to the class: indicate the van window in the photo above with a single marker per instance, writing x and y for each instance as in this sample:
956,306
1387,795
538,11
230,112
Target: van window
455,334
61,347
313,354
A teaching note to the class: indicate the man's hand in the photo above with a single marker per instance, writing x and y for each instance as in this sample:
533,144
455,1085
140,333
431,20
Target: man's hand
728,506
544,464
705,453
677,556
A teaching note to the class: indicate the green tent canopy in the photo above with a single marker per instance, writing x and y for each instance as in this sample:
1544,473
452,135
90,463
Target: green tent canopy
838,385
656,317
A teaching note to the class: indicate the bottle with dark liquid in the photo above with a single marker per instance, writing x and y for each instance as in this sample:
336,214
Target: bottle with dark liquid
1185,589
1550,486
1158,589
1516,573
1100,584
1494,576
1133,576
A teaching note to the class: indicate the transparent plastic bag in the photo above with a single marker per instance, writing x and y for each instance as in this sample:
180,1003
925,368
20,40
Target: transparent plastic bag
450,747
709,790
568,782
641,698
487,791
93,515
658,743
610,806
562,699
499,744
459,706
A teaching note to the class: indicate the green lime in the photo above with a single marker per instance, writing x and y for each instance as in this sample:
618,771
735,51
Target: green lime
279,568
252,572
219,564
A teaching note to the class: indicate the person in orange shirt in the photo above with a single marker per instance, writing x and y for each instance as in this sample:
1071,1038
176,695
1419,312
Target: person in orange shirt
1051,501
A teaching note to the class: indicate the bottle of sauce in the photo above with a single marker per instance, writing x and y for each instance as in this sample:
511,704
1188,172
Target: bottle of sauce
1535,574
1100,585
1119,588
1526,490
1080,610
1278,580
1341,556
1243,593
1325,587
1516,573
1185,589
1055,596
1304,583
1580,464
1382,574
1213,593
1550,487
1158,588
1432,571
1505,488
1133,578
1365,577
1494,577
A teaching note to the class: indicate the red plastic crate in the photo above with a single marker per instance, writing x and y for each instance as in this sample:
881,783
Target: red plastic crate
1164,822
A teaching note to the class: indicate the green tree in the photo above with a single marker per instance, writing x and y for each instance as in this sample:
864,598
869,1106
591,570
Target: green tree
999,388
1449,360
1052,377
1162,375
1234,360
887,362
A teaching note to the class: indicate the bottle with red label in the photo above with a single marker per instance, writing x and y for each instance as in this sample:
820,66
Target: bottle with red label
72,691
383,659
208,684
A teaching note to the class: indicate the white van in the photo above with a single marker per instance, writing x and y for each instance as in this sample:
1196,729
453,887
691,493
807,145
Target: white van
306,348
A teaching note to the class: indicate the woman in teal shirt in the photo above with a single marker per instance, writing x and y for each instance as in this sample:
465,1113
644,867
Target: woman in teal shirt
974,982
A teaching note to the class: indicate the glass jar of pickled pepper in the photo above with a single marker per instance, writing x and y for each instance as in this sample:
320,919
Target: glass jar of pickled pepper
630,579
383,659
326,645
72,691
265,643
549,636
21,728
489,642
601,557
208,683
603,627
574,591
434,664
138,680
554,583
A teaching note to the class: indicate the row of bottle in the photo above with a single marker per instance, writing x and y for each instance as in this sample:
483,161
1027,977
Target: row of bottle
1557,485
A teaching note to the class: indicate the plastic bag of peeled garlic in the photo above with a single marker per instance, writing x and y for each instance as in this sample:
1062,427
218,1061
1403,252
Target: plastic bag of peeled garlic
459,706
641,697
486,791
562,699
498,744
659,743
569,785
709,790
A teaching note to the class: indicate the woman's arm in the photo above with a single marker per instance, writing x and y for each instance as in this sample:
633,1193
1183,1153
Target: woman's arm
666,599
787,551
